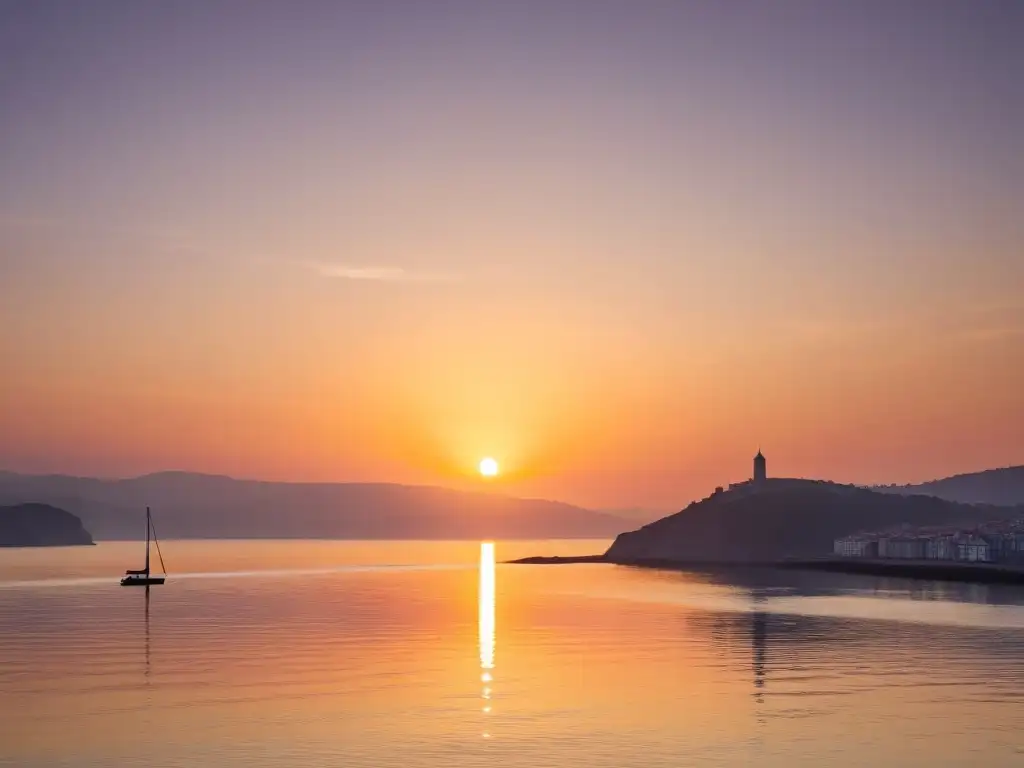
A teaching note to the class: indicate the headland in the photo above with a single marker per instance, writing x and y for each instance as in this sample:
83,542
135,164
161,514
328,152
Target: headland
40,525
795,523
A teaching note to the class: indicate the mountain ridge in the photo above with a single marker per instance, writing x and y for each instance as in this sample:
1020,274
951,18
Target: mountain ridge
1003,486
198,505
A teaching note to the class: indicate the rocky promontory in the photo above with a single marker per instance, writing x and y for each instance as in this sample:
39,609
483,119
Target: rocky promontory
778,520
40,525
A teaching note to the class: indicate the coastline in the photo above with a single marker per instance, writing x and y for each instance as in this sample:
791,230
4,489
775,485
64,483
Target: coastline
557,560
926,570
48,545
931,570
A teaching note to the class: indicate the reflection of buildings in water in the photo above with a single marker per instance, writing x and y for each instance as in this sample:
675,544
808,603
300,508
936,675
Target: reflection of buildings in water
759,645
822,584
938,591
759,641
486,625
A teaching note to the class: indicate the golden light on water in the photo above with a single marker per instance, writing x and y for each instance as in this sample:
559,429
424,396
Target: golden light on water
486,604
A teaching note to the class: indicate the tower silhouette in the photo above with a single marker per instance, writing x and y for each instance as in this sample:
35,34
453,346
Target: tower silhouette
760,468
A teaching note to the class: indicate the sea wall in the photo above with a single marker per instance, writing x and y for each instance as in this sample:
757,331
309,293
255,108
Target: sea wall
989,573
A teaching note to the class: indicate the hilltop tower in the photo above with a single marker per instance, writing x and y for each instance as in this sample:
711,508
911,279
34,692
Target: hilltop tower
760,468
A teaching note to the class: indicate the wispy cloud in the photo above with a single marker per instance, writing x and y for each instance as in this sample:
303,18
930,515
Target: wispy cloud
380,274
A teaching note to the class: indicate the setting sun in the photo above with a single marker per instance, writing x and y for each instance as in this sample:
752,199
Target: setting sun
488,467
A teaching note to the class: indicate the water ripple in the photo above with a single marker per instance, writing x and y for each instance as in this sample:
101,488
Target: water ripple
363,663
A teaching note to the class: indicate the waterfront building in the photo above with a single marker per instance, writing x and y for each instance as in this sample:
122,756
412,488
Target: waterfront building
973,549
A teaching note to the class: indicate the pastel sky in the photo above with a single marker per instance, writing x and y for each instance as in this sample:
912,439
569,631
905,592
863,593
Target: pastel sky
616,245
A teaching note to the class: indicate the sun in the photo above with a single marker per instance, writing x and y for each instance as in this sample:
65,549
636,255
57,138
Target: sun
488,467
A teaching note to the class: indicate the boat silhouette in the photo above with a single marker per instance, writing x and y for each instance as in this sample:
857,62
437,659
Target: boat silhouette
143,578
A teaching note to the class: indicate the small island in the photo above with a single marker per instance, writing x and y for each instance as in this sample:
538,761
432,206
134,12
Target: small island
40,525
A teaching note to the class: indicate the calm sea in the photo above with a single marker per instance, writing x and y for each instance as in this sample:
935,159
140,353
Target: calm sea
305,653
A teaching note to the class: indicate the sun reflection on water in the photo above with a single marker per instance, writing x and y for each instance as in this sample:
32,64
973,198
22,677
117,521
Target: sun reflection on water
486,601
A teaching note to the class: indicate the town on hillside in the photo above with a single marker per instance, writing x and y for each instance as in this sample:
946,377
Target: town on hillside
996,541
999,541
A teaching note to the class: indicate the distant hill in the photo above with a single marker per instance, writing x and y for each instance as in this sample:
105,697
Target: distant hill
40,525
993,486
786,519
636,516
187,505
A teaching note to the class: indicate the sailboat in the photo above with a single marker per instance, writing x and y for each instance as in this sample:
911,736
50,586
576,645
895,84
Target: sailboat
142,578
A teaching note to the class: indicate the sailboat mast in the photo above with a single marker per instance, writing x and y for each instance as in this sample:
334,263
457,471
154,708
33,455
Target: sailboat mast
147,541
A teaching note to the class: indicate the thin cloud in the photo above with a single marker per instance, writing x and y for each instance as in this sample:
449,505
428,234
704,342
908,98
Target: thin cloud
380,274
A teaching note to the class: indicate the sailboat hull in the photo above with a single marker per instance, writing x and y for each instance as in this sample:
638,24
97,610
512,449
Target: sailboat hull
141,581
142,577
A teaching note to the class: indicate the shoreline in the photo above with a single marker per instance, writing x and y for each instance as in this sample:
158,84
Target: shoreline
924,570
49,546
930,570
557,560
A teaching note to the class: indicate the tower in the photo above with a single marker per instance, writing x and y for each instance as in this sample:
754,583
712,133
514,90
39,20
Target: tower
760,468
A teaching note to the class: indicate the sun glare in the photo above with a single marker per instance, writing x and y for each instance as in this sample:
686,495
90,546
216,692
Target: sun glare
488,467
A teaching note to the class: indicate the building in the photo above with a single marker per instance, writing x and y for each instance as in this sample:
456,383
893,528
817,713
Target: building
856,546
759,480
760,468
903,547
999,541
973,549
941,547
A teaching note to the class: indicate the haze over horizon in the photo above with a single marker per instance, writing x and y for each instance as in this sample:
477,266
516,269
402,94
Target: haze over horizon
615,246
631,513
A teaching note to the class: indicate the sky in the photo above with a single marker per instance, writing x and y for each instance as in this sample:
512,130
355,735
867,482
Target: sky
618,246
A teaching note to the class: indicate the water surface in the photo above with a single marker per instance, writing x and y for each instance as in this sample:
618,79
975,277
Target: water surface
412,654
